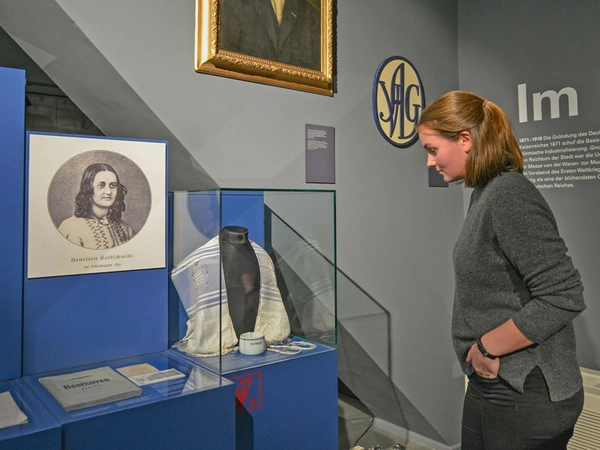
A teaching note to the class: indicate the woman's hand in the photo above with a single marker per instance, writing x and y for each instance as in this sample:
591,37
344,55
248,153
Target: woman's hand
484,367
502,340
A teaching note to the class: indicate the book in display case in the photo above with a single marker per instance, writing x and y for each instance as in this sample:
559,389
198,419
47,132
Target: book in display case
147,401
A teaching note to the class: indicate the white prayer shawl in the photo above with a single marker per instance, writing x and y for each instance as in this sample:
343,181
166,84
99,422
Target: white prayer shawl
201,286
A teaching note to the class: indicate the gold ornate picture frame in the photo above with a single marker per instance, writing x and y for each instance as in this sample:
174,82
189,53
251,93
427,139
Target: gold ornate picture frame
215,24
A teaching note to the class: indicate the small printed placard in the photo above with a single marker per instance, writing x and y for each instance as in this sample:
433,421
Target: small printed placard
320,154
143,374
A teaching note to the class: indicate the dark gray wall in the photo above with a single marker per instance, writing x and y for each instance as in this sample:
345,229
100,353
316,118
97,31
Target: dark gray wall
548,46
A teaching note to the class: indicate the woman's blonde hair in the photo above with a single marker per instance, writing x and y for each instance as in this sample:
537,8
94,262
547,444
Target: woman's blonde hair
494,148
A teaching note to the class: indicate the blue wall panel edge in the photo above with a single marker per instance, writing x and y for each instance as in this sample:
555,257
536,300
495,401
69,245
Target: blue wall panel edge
12,160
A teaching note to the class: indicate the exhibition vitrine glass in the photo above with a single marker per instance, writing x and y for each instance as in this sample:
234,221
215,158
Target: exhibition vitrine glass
253,276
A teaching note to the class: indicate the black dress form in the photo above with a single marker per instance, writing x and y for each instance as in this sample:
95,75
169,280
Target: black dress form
242,277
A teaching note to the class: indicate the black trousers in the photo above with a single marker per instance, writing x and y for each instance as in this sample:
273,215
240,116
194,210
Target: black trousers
496,417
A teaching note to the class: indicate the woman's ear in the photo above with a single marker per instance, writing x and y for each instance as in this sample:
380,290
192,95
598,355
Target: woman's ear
465,139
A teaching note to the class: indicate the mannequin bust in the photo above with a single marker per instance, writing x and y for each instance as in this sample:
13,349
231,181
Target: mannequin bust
244,270
242,277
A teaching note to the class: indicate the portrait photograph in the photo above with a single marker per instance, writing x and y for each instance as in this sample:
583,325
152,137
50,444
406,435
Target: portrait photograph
94,205
286,43
286,31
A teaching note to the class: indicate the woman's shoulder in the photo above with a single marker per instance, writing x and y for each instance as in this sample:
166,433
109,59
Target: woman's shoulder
507,180
70,222
511,184
513,192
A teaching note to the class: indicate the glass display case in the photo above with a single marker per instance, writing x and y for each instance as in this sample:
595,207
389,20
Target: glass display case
24,422
139,402
149,379
253,276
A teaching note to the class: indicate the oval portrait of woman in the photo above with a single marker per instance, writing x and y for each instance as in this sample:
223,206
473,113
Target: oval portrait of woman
99,199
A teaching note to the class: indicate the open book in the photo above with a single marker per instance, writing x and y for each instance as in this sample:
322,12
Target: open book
89,388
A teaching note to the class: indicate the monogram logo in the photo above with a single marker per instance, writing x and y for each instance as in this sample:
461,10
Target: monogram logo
398,100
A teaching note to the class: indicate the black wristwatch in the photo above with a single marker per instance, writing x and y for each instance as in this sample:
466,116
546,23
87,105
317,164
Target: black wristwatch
483,351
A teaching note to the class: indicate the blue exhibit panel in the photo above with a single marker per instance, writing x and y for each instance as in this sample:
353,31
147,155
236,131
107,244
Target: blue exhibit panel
194,411
244,209
41,430
76,320
12,161
72,320
289,405
236,208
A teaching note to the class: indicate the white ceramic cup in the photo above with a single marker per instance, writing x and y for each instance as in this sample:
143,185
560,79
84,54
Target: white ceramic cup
252,343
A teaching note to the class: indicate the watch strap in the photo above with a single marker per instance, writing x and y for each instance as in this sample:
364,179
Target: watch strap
483,351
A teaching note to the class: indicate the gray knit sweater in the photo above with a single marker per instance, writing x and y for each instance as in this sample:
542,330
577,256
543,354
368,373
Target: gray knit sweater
510,262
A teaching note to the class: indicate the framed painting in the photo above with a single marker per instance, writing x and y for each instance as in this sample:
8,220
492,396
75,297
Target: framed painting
285,43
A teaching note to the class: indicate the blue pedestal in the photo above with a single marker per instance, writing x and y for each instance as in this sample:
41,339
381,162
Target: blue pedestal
196,411
194,421
12,181
282,401
288,405
41,431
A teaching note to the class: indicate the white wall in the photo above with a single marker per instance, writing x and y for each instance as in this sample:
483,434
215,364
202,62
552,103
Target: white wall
395,234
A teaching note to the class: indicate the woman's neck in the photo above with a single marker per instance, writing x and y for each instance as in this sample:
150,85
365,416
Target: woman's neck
99,212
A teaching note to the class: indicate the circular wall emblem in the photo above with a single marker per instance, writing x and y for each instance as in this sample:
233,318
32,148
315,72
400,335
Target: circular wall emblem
398,99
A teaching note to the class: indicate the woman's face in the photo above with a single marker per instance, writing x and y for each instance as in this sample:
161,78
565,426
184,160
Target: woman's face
105,189
449,157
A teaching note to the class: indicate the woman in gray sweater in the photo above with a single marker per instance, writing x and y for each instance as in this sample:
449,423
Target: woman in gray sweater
516,290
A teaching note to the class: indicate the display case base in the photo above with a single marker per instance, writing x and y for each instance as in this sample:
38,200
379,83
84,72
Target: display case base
41,430
290,404
201,420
